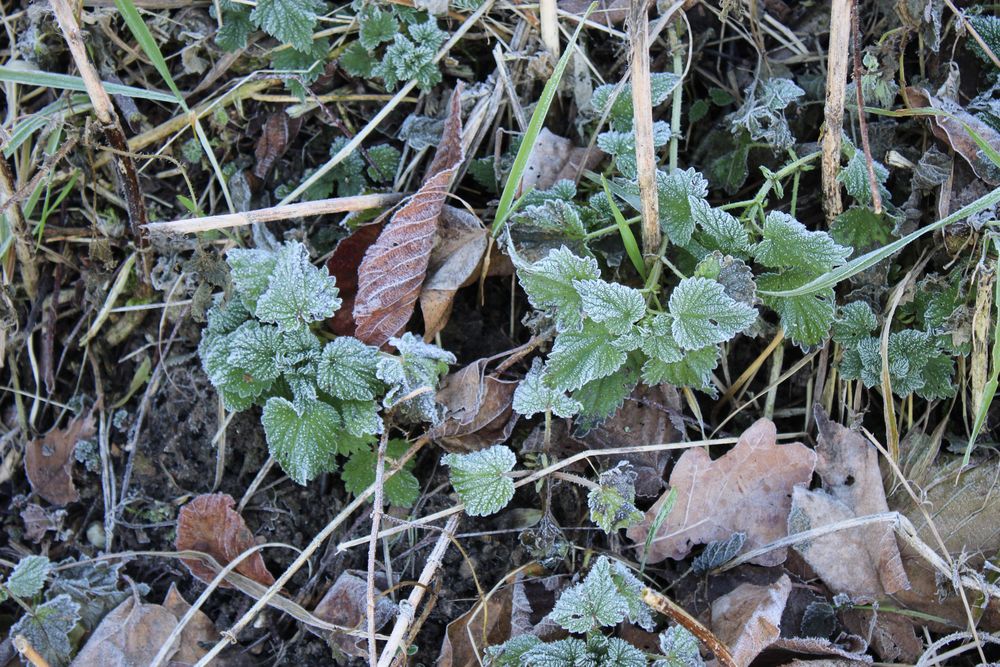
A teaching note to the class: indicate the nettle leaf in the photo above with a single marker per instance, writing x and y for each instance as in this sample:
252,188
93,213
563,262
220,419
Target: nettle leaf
617,307
93,586
289,21
47,628
549,285
28,577
854,176
236,28
480,479
762,114
806,319
347,369
787,243
356,61
612,652
385,161
226,317
511,652
916,365
620,116
718,552
703,314
298,292
579,357
601,398
608,595
676,192
303,443
360,418
376,26
251,271
612,504
401,490
238,389
678,648
658,339
693,370
856,322
418,367
719,230
860,228
561,653
253,351
533,397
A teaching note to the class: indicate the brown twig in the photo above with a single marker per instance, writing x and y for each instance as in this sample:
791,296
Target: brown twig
642,105
672,610
872,180
25,648
19,230
836,86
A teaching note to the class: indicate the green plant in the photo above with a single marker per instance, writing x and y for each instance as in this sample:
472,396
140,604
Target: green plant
321,397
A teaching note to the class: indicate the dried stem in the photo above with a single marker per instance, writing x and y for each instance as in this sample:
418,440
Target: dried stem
869,162
836,87
19,230
642,103
377,507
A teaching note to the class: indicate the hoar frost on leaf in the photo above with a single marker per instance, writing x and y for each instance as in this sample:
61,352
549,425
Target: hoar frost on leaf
612,503
418,367
762,114
549,285
533,397
678,648
480,479
703,314
615,306
578,357
28,577
607,596
347,370
47,628
297,292
303,443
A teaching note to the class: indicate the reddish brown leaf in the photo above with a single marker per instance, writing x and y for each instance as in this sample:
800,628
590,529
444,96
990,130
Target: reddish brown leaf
211,525
277,133
748,619
343,265
198,631
394,268
49,462
478,410
345,604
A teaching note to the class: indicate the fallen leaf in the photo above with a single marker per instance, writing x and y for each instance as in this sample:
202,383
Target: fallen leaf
48,462
951,129
343,265
37,521
852,655
128,636
454,263
277,133
747,490
394,267
345,604
748,619
478,409
891,636
210,524
608,12
554,158
198,630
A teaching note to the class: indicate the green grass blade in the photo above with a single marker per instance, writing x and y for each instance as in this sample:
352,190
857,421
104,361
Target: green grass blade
863,262
534,127
145,39
990,390
654,528
67,82
628,238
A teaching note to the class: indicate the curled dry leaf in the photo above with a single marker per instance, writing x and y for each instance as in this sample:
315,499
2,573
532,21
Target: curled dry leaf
951,129
748,490
48,462
129,635
478,409
210,524
394,267
454,263
345,604
198,630
748,619
554,158
278,131
343,265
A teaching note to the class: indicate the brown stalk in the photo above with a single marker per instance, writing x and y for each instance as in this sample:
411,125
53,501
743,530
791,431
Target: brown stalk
872,180
642,104
19,230
674,611
836,86
125,172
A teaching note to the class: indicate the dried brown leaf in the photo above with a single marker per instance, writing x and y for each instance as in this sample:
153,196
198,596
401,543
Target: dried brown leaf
210,524
37,521
747,490
454,263
48,462
478,409
343,266
345,604
748,619
128,636
554,158
278,131
197,631
394,267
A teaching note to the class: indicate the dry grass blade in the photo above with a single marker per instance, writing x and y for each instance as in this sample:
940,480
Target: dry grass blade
836,92
642,105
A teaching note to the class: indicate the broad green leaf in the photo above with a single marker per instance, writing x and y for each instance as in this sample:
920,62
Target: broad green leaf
226,317
360,418
418,366
253,351
480,479
718,552
28,577
569,651
694,370
676,192
601,398
915,365
305,444
549,285
236,29
594,603
855,178
578,357
401,490
376,26
787,243
658,340
532,396
806,320
678,648
719,230
297,293
855,322
616,306
47,628
289,21
861,229
251,271
510,653
612,503
703,314
346,369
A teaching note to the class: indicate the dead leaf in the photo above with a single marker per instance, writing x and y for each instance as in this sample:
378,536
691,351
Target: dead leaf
554,158
37,521
748,619
454,263
198,630
747,490
951,129
278,131
128,636
852,654
210,524
343,265
49,462
394,267
478,409
345,604
608,12
891,636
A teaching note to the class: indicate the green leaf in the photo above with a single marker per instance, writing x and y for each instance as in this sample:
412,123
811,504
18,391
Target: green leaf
861,229
479,479
532,396
347,370
787,243
678,648
676,192
694,370
236,28
511,652
703,314
608,595
360,418
854,176
251,272
856,322
719,230
28,577
401,490
915,365
385,161
561,653
418,366
304,444
718,552
549,285
578,357
356,61
253,352
601,398
658,340
47,628
612,503
297,293
377,26
615,306
805,319
289,21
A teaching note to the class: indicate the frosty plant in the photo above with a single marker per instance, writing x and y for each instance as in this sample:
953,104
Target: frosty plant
321,397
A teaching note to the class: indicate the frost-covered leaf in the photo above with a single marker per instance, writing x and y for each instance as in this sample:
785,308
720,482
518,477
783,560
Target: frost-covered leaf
549,285
762,114
479,479
289,21
533,397
304,444
385,161
298,292
94,586
605,651
616,306
916,365
28,577
677,192
678,648
418,365
718,230
511,652
608,595
401,490
787,243
806,319
579,357
718,552
236,28
226,317
859,228
658,339
620,115
376,26
346,369
703,314
561,653
854,176
601,398
253,352
855,322
360,418
251,271
612,504
693,370
47,628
